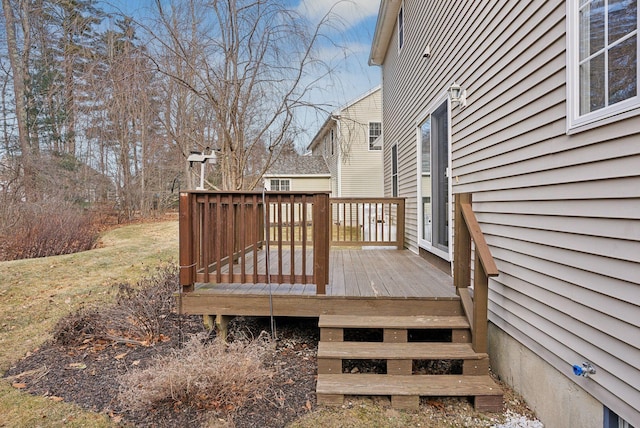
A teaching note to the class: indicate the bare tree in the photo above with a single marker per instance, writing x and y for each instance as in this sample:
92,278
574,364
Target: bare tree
19,60
252,63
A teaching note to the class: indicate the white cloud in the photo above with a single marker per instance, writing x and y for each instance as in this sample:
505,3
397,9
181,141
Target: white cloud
351,12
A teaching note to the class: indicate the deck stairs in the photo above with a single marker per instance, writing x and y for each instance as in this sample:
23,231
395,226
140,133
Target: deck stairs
407,344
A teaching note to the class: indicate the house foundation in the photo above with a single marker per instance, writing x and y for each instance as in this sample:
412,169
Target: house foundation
557,401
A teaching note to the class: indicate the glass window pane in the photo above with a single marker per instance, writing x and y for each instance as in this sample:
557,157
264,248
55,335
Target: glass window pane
592,85
623,68
591,28
623,18
425,134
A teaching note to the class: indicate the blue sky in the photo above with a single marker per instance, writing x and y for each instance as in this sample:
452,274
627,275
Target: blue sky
353,77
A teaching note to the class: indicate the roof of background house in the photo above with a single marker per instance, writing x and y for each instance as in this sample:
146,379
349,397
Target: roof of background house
298,165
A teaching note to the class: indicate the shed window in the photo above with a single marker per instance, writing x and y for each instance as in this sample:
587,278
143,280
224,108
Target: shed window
281,185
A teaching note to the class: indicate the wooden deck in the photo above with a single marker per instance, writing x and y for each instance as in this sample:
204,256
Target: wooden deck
360,281
354,273
303,255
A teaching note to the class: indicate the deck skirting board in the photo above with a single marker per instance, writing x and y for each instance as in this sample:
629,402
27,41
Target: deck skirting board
202,303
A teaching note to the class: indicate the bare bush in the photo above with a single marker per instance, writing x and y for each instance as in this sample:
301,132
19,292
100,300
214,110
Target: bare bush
138,315
213,376
141,311
75,328
48,230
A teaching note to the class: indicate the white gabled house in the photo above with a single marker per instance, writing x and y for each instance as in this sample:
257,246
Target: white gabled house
350,140
543,129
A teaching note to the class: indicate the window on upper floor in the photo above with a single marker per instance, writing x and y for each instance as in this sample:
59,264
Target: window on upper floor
375,131
602,52
333,142
401,27
394,171
280,184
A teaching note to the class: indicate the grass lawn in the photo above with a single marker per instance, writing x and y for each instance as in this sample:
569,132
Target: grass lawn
36,293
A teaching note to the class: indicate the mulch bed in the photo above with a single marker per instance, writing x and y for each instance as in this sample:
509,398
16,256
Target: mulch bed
87,374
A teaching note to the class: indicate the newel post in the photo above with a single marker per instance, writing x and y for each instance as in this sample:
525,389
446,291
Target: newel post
461,245
187,262
321,239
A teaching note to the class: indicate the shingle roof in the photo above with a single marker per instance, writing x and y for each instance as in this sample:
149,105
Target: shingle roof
299,165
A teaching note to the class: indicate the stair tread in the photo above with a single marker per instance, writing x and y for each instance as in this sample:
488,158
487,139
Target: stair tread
398,351
422,385
378,321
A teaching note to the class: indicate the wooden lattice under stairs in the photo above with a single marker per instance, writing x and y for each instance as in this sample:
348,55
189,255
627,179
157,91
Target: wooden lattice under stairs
402,382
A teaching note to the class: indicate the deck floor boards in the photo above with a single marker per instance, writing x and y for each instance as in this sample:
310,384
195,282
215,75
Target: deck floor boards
353,273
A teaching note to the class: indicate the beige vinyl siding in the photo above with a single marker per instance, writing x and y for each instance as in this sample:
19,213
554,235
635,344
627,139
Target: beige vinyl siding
560,212
304,184
361,168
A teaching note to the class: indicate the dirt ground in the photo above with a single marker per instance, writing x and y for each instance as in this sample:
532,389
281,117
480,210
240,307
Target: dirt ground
87,375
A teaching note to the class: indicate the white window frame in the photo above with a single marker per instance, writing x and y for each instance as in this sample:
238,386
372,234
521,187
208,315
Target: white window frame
373,148
422,117
279,182
608,114
401,23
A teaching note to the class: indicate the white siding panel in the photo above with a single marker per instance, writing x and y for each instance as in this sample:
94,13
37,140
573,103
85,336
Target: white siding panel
621,249
591,299
627,187
586,226
624,208
608,267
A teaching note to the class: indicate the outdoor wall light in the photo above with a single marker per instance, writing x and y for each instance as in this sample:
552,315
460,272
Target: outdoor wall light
202,158
458,95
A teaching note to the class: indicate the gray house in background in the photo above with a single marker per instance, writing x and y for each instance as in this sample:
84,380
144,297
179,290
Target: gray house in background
533,108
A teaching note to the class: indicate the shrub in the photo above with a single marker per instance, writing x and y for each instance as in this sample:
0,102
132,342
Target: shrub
48,229
138,315
141,311
213,376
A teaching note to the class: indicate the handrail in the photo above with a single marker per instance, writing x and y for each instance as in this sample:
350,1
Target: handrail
467,229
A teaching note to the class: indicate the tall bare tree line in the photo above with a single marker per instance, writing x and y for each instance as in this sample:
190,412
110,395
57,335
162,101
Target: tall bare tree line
98,106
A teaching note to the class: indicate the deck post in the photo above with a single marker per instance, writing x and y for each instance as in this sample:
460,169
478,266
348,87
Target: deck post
400,225
480,306
321,239
462,245
187,262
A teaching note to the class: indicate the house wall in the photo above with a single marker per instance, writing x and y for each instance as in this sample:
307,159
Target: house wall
308,183
560,212
362,174
321,146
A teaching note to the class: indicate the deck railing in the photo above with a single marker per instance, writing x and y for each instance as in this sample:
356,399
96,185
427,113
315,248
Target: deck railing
367,222
467,229
223,235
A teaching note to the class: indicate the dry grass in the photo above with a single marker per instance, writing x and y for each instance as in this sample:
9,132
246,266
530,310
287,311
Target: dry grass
36,293
213,376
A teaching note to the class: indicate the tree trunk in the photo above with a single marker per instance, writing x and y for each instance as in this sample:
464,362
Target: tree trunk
19,69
